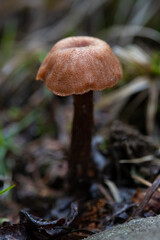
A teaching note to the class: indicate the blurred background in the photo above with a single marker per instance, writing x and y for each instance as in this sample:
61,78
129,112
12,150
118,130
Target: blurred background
32,120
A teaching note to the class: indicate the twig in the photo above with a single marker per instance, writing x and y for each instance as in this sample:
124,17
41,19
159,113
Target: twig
137,85
114,190
152,106
143,181
104,192
147,158
151,190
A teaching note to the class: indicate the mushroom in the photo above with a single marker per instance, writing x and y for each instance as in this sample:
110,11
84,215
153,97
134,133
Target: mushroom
77,66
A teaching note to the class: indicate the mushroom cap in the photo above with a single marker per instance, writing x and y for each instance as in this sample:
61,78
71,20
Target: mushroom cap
76,65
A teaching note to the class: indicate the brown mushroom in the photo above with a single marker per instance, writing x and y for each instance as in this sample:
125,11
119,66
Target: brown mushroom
79,65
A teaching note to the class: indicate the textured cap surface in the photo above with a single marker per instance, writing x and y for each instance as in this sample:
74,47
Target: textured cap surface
76,65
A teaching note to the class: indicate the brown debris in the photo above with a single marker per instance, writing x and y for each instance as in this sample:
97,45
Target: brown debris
145,203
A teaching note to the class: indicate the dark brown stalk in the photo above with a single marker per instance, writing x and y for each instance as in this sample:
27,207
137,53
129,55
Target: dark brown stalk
80,160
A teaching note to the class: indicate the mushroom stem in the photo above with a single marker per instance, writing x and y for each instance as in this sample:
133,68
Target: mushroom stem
80,160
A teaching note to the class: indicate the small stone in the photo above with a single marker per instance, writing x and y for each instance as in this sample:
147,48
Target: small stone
139,229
